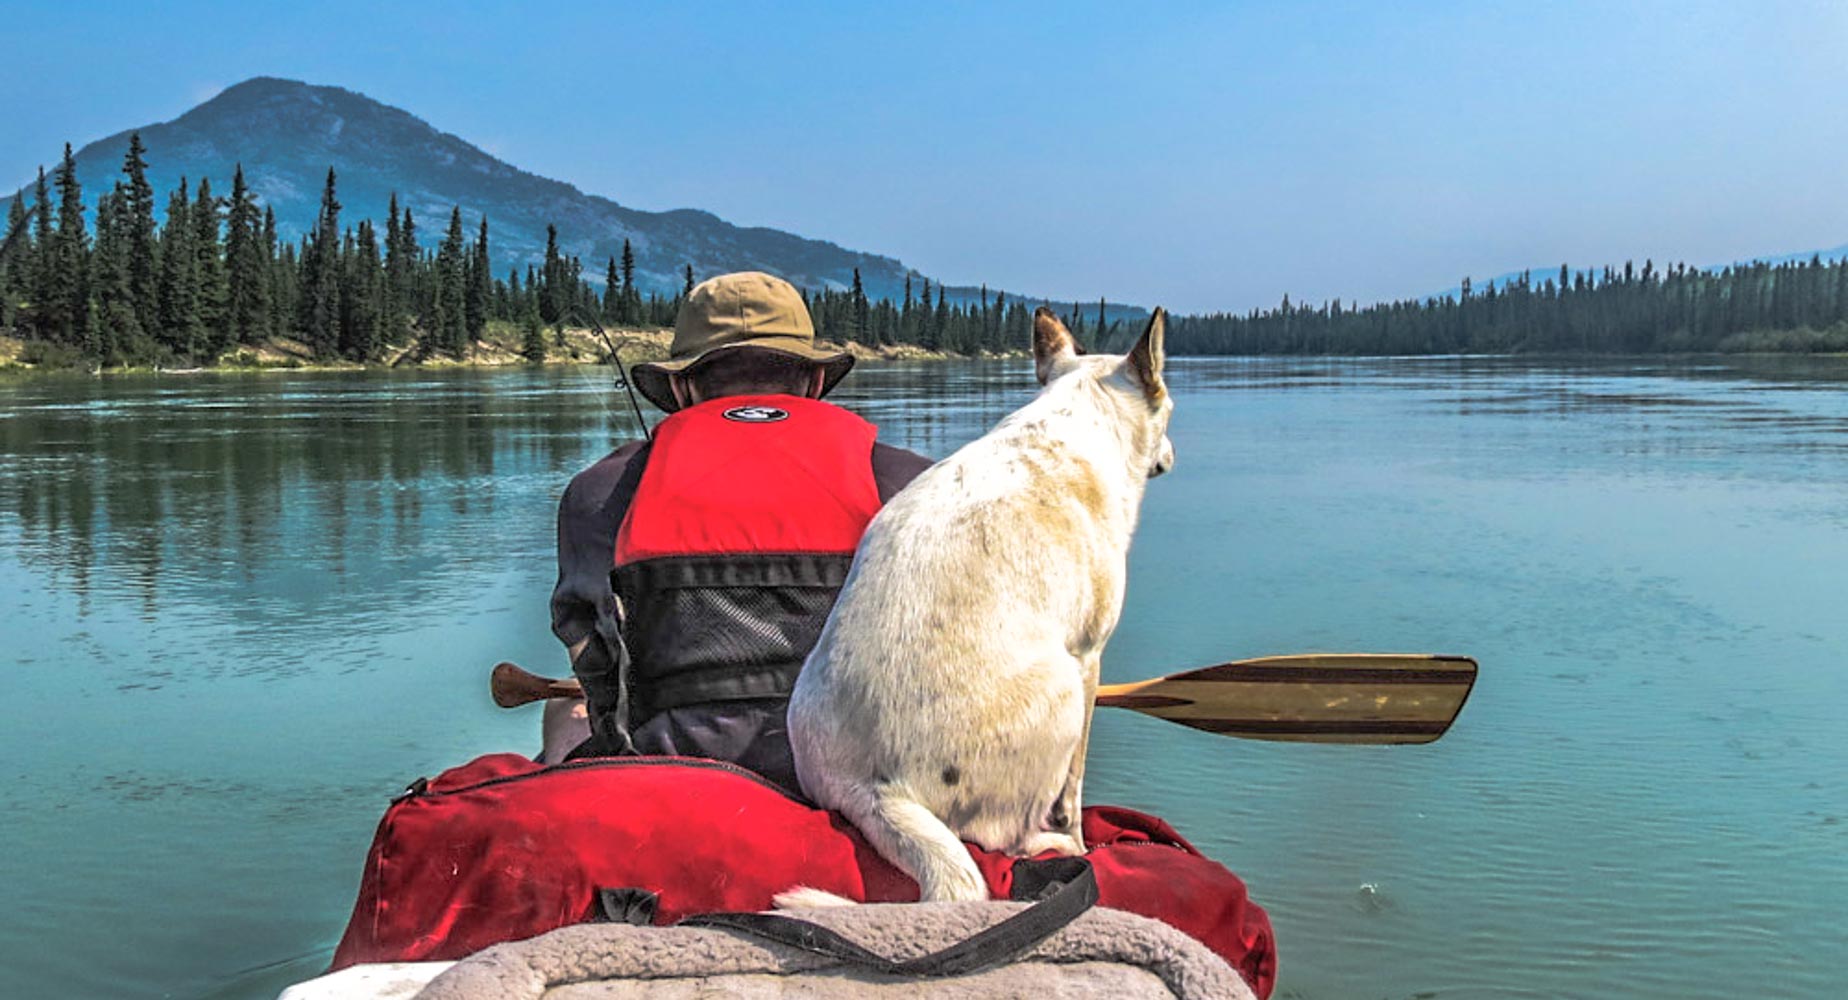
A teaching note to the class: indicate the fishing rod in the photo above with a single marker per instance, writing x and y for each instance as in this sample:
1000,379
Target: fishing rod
622,374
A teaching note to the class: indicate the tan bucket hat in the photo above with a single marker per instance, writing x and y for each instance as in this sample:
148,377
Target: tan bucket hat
748,310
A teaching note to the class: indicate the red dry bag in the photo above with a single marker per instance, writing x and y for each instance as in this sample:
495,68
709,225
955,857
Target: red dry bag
503,848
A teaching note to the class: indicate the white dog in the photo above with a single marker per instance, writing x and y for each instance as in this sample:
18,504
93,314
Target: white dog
949,697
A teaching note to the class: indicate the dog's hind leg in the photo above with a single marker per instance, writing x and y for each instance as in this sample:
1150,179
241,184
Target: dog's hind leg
1066,817
913,838
1062,827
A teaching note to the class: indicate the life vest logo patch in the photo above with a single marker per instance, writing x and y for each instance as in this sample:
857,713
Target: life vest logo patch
755,414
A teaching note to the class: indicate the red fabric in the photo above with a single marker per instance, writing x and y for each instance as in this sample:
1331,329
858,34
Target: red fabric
722,486
502,848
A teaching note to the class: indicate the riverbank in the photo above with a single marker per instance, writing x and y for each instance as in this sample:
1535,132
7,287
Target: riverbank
502,346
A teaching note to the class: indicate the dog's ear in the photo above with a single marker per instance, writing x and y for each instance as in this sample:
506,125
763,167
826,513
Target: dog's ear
1145,359
1052,342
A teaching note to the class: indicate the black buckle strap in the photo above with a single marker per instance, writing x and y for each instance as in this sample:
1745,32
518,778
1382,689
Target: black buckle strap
628,905
1063,887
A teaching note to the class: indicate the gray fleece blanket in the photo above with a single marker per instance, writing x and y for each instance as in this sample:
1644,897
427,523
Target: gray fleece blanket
1104,953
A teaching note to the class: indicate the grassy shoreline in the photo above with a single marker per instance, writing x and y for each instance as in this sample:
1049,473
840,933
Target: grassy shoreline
500,348
582,346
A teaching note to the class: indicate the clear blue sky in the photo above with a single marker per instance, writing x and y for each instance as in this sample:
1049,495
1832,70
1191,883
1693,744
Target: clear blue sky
1202,156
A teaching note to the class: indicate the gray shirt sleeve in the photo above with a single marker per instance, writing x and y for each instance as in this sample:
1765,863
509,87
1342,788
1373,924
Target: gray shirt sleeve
587,523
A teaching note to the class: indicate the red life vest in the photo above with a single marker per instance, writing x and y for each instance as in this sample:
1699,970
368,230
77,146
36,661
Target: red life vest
741,531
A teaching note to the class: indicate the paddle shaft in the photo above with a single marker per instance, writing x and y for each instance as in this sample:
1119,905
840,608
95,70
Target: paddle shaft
513,686
1315,698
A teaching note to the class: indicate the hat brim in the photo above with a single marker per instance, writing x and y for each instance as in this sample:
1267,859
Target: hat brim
651,377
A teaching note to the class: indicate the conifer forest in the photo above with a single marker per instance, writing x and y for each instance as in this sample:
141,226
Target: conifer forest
194,278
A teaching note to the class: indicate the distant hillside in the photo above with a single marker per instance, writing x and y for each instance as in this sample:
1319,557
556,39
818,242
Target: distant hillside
288,133
1827,256
1539,275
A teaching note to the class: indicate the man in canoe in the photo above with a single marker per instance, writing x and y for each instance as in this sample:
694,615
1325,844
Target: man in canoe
695,570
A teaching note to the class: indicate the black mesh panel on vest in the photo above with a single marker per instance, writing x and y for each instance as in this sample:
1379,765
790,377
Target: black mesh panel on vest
718,628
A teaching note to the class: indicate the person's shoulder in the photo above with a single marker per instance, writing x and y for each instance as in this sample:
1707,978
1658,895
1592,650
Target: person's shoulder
592,486
903,456
893,467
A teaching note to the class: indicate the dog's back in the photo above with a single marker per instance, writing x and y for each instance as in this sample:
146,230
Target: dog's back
949,695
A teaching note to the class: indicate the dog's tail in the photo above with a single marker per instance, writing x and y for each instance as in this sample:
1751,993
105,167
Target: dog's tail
921,845
804,898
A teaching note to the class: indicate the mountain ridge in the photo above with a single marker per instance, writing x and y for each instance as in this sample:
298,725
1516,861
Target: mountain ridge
287,133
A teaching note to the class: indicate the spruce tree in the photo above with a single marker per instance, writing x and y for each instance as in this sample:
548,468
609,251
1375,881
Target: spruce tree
18,227
578,292
517,300
281,276
925,333
1841,290
938,320
452,324
551,277
885,322
137,217
402,274
688,290
320,309
362,298
997,334
67,305
179,329
468,282
499,306
247,283
480,285
114,324
612,294
860,309
15,253
394,271
631,299
40,262
209,271
532,341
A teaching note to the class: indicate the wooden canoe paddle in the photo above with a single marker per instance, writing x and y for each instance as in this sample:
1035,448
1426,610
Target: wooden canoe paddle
1313,698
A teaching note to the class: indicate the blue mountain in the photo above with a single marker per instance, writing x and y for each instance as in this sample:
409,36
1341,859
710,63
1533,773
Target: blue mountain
287,134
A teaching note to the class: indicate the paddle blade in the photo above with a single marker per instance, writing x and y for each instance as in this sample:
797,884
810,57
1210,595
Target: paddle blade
1318,698
512,687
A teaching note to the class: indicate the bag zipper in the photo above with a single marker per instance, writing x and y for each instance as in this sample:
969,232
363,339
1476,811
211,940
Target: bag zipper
421,787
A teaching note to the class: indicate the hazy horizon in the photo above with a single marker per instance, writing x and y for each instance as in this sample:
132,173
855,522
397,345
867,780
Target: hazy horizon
1207,158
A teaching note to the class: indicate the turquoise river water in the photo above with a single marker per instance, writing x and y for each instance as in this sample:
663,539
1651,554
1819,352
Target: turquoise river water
242,610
